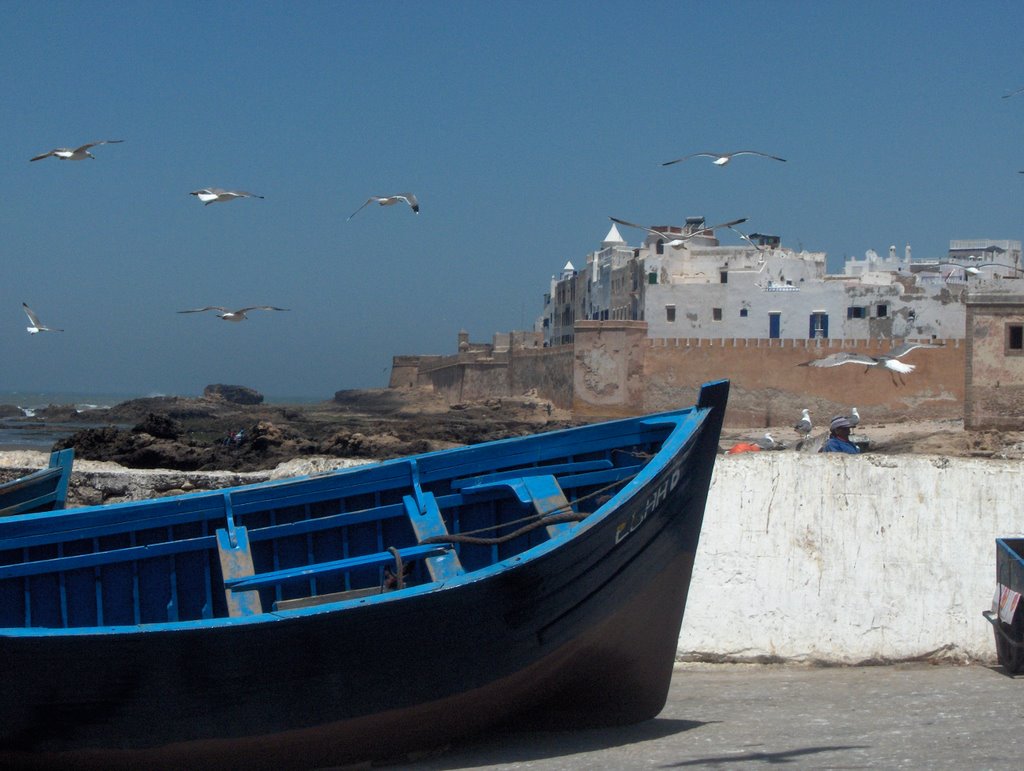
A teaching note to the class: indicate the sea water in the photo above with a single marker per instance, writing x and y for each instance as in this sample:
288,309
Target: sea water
26,433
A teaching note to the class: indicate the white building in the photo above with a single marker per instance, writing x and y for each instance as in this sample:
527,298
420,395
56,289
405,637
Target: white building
699,288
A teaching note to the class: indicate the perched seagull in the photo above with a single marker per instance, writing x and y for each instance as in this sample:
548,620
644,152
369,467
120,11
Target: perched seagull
678,240
853,417
238,315
804,425
210,195
76,154
36,325
721,159
389,200
890,361
769,442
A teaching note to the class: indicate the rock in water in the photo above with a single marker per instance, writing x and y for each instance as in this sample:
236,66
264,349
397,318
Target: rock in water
235,394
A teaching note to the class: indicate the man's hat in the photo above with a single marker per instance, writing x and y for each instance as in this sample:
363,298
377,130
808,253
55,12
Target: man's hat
839,422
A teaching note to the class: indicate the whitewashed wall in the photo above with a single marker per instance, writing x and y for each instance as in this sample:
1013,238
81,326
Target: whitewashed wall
849,559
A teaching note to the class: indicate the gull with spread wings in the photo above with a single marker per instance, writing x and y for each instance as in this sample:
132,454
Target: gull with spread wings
36,325
678,240
389,200
210,195
76,153
722,159
238,315
889,360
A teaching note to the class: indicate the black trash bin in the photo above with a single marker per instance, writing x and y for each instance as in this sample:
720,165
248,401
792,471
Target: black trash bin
1007,617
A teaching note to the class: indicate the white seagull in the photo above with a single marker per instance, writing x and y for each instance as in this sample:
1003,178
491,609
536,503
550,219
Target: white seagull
389,200
37,326
853,417
746,238
678,240
890,360
238,315
721,159
210,195
769,442
804,425
77,153
1013,93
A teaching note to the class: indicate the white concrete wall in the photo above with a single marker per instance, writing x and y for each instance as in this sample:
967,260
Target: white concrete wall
850,559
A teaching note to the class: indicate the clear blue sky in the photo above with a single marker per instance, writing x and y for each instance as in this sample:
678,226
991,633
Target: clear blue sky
521,127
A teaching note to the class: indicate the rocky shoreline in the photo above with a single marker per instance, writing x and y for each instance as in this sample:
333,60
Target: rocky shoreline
170,445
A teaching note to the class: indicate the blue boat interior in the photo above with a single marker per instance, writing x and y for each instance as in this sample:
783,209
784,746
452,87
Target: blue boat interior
43,490
333,537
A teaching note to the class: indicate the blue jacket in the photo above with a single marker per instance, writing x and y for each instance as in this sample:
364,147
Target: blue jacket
835,444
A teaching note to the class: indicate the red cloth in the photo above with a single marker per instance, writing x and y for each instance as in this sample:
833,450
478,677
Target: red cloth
743,447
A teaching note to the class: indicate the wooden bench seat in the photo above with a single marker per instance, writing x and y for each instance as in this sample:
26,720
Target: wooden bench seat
305,572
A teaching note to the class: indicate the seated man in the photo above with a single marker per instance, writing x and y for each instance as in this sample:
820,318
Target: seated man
839,437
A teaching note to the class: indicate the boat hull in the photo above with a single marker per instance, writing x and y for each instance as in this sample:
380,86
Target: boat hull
581,635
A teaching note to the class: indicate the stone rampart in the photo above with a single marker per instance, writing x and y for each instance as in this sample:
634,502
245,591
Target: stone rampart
848,559
769,386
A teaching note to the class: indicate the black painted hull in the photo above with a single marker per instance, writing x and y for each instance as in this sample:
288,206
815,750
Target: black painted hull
581,635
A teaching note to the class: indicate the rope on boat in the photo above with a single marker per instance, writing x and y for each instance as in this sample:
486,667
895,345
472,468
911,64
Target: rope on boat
542,519
399,568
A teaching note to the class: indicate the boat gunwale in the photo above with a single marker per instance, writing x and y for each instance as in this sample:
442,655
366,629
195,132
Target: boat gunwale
684,427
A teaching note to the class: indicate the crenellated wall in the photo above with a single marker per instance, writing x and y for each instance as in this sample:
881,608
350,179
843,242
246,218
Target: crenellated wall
613,369
769,386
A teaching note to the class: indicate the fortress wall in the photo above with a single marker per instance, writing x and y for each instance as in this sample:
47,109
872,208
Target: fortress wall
465,377
548,370
613,370
849,559
608,372
770,388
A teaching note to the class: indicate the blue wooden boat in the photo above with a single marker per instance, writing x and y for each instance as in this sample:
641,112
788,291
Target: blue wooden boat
362,613
43,490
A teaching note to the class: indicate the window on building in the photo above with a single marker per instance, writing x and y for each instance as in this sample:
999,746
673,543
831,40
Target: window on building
1015,339
856,312
652,277
716,314
743,313
882,310
670,313
723,277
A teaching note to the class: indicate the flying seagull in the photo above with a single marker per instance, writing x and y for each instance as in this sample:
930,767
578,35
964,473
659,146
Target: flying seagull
76,154
746,238
389,200
210,195
1013,93
238,315
678,240
890,360
721,159
36,326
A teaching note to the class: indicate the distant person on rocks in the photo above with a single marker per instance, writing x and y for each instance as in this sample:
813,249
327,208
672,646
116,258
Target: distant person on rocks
839,437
